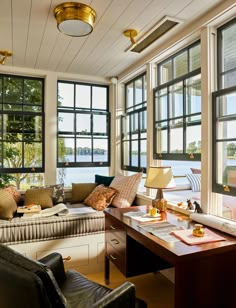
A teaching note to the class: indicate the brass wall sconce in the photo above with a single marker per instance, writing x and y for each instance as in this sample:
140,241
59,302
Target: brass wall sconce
131,34
75,19
4,54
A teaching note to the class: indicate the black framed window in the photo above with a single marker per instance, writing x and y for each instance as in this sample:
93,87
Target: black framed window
134,126
22,125
226,51
83,125
177,107
224,113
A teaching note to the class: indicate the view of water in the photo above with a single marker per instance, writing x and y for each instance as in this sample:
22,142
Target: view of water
80,175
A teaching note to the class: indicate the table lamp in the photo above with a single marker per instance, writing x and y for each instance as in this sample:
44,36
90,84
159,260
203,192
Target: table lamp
160,178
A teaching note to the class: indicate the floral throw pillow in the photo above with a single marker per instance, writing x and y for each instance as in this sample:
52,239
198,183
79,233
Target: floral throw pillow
101,197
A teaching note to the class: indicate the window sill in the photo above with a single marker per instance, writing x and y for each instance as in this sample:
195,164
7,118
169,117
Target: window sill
144,199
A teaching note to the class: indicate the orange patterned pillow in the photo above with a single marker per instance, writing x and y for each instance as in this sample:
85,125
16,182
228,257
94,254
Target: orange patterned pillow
101,197
14,193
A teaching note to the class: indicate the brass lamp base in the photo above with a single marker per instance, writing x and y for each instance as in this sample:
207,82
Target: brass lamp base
160,204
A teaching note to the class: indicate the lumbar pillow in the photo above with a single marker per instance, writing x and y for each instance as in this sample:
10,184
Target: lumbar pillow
195,181
80,191
127,187
101,197
41,196
102,179
57,192
8,205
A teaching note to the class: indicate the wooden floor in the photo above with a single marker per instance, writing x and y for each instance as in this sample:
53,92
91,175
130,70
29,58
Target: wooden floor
154,288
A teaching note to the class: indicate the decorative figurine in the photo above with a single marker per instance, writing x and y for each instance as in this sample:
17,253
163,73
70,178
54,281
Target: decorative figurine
189,205
198,208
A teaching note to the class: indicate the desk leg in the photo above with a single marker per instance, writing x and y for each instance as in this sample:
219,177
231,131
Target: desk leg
107,270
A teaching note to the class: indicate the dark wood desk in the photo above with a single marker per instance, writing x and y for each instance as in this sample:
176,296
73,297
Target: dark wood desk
205,275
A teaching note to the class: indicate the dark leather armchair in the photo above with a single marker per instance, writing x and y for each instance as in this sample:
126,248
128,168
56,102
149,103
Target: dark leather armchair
25,283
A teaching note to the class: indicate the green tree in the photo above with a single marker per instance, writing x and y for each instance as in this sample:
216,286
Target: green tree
231,149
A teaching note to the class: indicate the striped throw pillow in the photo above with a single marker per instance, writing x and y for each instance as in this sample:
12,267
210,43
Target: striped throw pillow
195,181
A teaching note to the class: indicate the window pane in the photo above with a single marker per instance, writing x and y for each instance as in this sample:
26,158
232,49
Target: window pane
125,127
79,175
65,122
100,150
226,129
145,87
99,98
176,136
12,155
226,104
134,123
161,105
181,64
194,57
129,95
143,156
193,139
100,124
176,100
65,96
166,72
13,90
83,96
33,128
134,153
161,138
66,149
229,47
33,155
229,79
33,92
138,84
126,152
226,163
193,95
83,150
83,124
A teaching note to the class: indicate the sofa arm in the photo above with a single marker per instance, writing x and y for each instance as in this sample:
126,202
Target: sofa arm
55,262
123,296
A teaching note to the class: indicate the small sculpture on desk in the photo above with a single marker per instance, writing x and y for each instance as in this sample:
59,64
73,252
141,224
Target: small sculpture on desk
198,208
189,205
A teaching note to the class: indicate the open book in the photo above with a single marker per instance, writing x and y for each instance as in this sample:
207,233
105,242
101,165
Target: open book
60,209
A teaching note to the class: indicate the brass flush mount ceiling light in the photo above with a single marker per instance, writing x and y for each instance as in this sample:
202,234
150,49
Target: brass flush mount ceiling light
75,19
131,34
4,54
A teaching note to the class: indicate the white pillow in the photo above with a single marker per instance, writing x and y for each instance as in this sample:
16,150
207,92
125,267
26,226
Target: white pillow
127,187
195,181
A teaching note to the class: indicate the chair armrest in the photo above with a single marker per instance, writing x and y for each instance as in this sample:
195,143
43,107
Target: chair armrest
123,296
55,262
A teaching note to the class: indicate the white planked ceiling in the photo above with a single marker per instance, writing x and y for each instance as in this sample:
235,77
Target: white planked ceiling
28,28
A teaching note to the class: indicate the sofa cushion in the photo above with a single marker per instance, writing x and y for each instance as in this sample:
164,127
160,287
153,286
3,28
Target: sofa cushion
58,193
101,197
8,205
80,191
41,196
102,179
127,187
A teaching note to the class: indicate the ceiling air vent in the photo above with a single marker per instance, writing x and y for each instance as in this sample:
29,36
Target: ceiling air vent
164,26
